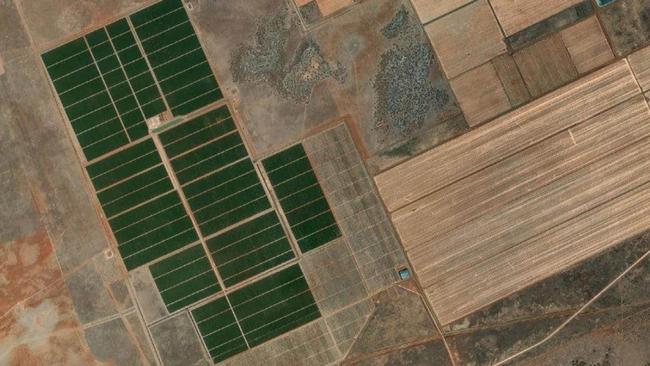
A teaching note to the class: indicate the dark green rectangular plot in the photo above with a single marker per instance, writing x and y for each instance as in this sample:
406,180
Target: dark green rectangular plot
274,305
77,62
105,145
218,189
199,130
304,212
124,164
134,127
295,152
120,91
92,103
289,170
180,230
109,128
132,190
144,211
297,199
209,157
185,278
97,130
164,60
109,67
126,104
210,161
77,80
166,238
219,329
167,36
200,86
154,26
95,144
295,184
159,209
178,29
171,213
99,45
228,201
153,106
93,77
191,54
301,198
119,85
138,131
229,210
114,77
82,91
64,52
104,55
142,82
175,83
113,126
136,190
96,38
200,136
129,54
243,169
136,68
192,104
250,248
145,88
95,117
118,28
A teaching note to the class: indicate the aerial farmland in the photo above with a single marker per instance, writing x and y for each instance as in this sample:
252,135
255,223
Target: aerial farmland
325,182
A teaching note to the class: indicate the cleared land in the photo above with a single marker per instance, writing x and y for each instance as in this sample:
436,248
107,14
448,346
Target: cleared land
587,45
490,217
466,38
514,18
640,64
506,135
431,9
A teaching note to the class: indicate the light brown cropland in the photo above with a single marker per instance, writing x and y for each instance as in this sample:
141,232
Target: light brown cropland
515,16
526,195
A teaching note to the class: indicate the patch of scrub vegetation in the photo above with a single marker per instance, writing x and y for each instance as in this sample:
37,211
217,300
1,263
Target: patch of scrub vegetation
605,361
399,22
264,58
308,69
292,75
406,92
